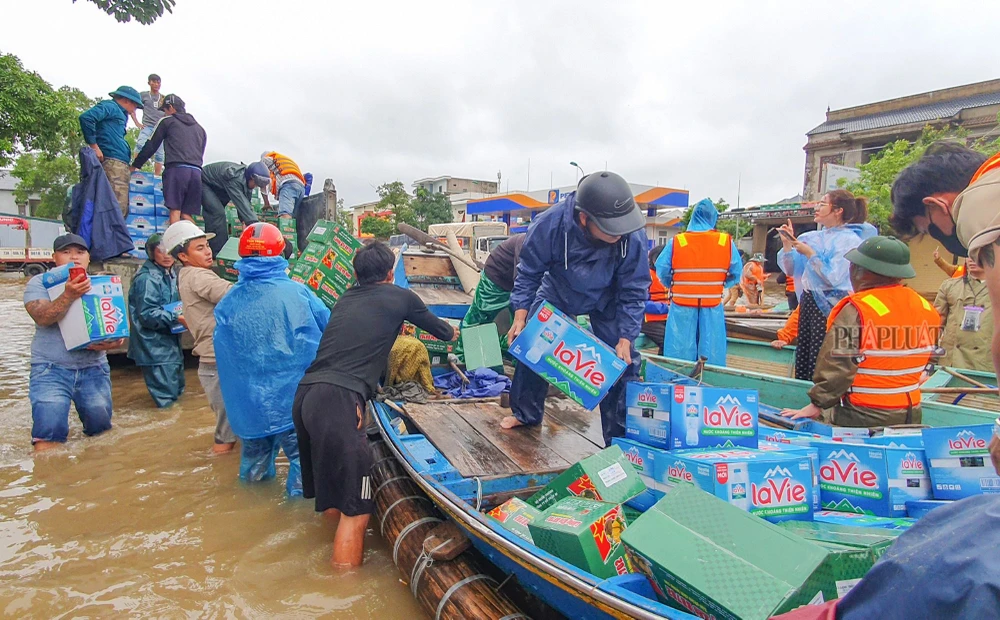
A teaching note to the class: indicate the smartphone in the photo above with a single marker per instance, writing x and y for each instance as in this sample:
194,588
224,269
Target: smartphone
76,271
784,233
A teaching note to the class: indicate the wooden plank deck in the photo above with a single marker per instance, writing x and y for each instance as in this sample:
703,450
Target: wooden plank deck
470,437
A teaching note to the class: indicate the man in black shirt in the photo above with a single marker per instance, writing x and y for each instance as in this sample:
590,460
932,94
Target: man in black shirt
495,284
329,402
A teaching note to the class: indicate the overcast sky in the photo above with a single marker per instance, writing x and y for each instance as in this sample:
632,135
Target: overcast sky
688,95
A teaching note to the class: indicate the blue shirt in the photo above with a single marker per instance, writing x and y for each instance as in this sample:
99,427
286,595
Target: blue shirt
48,347
104,125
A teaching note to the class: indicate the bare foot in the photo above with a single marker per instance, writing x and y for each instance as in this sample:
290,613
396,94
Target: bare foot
42,446
223,448
510,422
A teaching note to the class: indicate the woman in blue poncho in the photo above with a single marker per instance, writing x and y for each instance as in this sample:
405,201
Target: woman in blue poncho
816,261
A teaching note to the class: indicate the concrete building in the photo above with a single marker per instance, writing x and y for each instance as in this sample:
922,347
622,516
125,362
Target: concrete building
454,185
8,183
849,137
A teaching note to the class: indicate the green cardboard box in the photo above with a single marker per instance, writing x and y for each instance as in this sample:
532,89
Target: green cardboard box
337,268
606,476
709,558
226,260
332,234
481,346
515,516
434,346
586,533
327,289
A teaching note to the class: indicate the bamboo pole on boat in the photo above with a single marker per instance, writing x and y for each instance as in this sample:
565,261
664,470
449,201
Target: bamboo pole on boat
962,377
452,589
959,390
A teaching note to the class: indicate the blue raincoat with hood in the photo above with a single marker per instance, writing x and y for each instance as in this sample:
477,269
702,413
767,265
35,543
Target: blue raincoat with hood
692,332
266,334
563,265
827,273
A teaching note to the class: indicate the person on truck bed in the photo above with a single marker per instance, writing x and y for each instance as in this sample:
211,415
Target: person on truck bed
152,345
59,377
585,255
223,182
288,184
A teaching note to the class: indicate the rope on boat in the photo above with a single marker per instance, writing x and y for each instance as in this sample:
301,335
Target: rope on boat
393,479
406,530
479,493
399,501
455,587
513,616
422,563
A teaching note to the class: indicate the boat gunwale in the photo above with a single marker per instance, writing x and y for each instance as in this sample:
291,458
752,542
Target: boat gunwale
452,506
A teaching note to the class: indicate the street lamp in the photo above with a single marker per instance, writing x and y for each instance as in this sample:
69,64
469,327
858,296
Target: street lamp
577,166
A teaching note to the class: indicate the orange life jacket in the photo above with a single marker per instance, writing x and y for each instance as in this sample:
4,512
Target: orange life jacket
990,164
789,284
285,167
959,272
790,331
898,332
700,262
657,293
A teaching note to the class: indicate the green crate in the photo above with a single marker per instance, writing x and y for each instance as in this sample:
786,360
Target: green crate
586,533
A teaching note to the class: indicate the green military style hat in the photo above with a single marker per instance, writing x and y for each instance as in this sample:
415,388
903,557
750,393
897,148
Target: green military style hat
886,256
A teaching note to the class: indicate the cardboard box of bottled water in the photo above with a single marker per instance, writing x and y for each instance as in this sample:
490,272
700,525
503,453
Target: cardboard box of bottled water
707,417
859,520
869,479
811,452
573,360
959,460
769,435
773,485
647,460
648,409
920,507
100,315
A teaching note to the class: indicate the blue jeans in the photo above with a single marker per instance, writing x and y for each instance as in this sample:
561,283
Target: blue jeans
144,135
257,460
51,388
290,195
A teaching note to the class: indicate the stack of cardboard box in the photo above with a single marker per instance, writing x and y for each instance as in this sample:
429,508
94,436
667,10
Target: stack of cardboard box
147,214
325,264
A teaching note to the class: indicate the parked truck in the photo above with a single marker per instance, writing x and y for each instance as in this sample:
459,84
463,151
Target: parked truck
476,238
26,243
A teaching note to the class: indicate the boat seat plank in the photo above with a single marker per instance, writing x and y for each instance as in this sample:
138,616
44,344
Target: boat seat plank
442,296
575,417
464,447
523,446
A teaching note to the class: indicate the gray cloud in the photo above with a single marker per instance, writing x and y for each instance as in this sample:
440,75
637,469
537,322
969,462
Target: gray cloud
693,96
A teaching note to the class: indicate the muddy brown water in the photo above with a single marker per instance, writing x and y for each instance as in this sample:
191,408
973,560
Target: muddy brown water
143,521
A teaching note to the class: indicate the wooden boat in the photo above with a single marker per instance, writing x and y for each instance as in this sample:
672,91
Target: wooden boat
763,358
461,460
432,277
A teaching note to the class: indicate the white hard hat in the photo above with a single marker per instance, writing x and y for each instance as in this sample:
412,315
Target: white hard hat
180,233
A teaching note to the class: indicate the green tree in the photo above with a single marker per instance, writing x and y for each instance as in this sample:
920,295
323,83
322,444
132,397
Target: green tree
878,173
31,116
143,11
378,227
393,197
720,205
50,171
344,217
428,208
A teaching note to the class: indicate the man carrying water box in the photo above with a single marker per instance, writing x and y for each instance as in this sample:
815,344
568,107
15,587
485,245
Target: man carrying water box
61,374
585,255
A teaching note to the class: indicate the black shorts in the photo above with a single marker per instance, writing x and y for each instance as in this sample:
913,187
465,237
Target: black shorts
335,456
182,189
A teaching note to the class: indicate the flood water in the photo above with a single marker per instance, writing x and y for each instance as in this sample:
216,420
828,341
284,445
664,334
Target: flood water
143,521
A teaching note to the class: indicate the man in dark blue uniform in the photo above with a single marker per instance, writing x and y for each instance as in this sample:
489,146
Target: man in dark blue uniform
585,255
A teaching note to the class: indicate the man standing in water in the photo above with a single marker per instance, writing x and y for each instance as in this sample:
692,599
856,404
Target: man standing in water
329,403
58,376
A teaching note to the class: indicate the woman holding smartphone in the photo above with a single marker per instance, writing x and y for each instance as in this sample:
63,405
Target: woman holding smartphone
816,261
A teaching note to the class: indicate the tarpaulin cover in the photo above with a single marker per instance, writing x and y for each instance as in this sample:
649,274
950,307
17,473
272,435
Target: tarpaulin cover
267,331
483,383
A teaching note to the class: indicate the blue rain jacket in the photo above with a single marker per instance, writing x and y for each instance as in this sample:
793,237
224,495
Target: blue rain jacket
827,274
266,334
559,264
104,125
94,213
945,566
691,332
150,342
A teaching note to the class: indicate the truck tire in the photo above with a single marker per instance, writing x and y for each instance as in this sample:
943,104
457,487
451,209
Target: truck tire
33,269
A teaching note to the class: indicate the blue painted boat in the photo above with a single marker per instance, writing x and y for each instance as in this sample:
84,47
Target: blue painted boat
461,430
432,277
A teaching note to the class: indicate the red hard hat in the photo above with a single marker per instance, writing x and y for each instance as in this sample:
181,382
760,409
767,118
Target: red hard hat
261,239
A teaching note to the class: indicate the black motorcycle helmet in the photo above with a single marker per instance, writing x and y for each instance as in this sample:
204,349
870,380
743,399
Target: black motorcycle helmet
607,199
